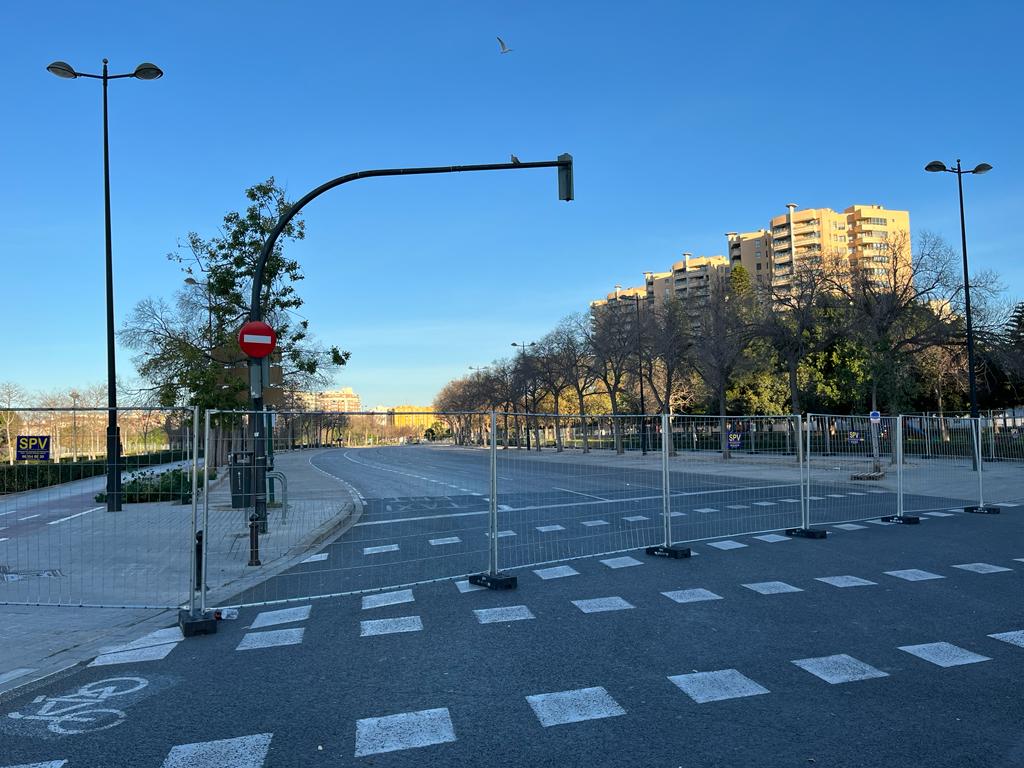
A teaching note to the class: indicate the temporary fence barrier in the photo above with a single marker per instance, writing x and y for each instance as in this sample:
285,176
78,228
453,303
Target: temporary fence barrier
64,540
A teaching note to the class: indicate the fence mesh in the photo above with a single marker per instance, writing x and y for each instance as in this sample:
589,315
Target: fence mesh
62,541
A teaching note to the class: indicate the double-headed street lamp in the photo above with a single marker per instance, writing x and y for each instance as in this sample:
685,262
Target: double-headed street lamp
937,166
522,350
144,71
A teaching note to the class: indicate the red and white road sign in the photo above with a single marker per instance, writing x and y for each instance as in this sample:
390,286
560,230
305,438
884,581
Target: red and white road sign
257,339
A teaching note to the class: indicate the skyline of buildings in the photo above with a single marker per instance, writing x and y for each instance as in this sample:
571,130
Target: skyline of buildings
865,236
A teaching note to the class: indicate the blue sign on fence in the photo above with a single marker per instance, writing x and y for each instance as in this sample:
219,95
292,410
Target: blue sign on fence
735,440
854,438
32,448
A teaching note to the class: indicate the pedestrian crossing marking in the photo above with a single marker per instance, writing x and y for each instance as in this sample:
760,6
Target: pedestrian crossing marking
575,706
283,616
387,598
944,654
243,752
505,613
839,668
271,639
408,730
720,685
376,627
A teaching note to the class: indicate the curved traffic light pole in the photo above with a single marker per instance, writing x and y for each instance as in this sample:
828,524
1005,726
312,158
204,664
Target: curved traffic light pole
257,422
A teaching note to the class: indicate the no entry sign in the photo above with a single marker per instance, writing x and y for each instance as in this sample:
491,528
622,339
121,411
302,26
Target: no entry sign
257,339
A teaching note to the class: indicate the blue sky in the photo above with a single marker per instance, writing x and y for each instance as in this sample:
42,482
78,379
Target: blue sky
686,120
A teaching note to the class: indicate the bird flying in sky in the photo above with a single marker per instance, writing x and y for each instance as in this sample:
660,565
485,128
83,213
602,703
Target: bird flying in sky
504,48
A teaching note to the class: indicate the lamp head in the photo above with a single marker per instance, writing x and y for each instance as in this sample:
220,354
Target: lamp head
147,71
935,166
62,69
982,168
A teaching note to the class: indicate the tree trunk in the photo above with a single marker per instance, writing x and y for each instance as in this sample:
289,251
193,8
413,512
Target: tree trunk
558,430
583,420
794,387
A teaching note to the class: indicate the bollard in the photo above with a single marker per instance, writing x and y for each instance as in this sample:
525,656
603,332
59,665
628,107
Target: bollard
199,561
254,540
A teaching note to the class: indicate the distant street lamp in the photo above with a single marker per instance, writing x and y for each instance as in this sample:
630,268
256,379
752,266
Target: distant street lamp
74,424
144,71
522,351
640,358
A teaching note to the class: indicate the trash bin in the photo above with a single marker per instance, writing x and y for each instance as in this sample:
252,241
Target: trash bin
241,468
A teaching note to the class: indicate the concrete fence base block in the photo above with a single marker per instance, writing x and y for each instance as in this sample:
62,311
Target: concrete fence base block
982,510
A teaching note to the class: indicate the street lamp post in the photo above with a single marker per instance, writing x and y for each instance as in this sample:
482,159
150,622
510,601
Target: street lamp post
522,351
937,166
144,71
640,358
74,424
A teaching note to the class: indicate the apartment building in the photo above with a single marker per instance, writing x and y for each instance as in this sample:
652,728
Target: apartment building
867,236
687,280
343,400
752,251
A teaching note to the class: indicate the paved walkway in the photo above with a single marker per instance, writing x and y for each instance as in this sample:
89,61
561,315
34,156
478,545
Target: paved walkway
141,559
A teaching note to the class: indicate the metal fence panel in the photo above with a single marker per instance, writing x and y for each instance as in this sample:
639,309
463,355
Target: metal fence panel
356,502
58,543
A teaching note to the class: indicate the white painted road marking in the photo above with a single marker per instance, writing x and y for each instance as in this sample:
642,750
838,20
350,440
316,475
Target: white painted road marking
558,572
573,706
15,673
464,586
635,518
51,764
316,558
772,587
704,687
409,730
134,656
621,562
500,534
764,503
1014,638
845,581
272,639
284,616
550,528
602,604
243,752
592,523
390,626
850,527
28,518
944,654
72,517
442,542
982,568
691,595
388,598
705,510
773,537
914,574
506,613
839,669
378,550
578,493
727,544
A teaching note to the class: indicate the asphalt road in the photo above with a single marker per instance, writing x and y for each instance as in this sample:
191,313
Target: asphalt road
425,514
787,652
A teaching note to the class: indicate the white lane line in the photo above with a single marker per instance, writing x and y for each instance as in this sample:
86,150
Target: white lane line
944,654
579,493
772,587
720,685
558,572
316,558
1013,638
505,613
5,538
621,562
573,706
376,627
845,581
441,542
271,639
134,656
982,568
379,550
408,730
727,544
602,604
72,517
8,512
28,518
283,616
914,574
691,595
243,752
417,519
15,673
839,669
388,598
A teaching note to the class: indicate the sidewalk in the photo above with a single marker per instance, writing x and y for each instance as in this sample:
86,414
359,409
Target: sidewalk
141,558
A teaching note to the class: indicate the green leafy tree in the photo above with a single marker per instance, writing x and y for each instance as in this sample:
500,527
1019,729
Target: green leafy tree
187,351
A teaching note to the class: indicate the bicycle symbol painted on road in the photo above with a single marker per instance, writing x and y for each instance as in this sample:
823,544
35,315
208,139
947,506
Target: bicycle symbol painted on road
77,712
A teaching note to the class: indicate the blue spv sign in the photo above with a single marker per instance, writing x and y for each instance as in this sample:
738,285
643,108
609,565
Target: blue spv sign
735,440
32,448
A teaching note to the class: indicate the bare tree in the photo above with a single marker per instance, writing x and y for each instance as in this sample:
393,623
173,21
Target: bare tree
576,359
721,335
11,396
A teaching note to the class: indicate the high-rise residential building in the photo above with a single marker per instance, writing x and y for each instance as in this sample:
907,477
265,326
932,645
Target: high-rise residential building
686,280
866,236
751,250
343,400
